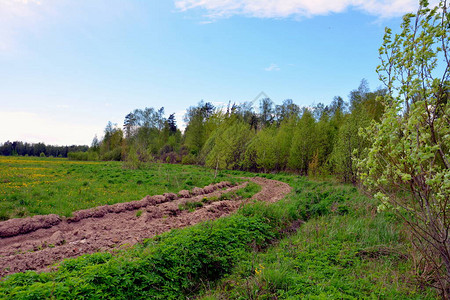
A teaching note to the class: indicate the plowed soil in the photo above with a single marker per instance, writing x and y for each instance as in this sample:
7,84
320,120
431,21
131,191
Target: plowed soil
38,242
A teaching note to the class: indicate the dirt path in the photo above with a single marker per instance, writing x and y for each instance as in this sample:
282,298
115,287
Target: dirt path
23,247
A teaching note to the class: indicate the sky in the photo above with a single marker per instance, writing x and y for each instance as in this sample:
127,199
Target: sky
69,67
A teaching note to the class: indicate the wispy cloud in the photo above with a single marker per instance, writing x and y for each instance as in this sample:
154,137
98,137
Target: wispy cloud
272,67
21,17
297,8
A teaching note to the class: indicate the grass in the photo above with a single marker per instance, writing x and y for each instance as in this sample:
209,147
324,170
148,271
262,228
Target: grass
243,193
31,186
170,266
345,249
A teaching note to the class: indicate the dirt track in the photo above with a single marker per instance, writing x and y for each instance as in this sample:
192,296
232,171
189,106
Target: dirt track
38,242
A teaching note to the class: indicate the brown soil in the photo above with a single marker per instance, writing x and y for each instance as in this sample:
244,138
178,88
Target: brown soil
40,241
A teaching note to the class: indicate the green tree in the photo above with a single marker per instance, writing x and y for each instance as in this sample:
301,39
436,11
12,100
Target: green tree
283,141
349,146
266,113
286,110
196,133
304,143
266,150
111,145
227,144
408,163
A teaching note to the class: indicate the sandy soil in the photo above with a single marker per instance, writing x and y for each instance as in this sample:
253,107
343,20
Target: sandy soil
40,241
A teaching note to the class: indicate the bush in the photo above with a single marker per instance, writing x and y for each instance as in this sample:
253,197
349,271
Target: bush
113,155
83,156
189,159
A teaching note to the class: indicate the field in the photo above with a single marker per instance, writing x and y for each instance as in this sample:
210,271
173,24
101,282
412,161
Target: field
33,186
322,241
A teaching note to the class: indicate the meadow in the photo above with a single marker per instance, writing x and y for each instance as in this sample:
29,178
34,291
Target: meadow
342,249
323,241
34,185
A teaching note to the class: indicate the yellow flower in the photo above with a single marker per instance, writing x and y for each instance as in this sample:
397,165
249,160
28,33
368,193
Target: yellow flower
259,271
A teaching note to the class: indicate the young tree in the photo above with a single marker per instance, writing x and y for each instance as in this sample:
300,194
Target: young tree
408,164
266,113
283,141
287,110
171,123
196,133
266,150
304,143
227,144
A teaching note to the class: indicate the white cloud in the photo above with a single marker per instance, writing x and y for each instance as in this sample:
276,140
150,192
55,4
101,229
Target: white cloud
34,128
272,67
297,8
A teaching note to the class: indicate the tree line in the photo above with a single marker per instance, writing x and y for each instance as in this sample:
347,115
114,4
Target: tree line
317,140
38,149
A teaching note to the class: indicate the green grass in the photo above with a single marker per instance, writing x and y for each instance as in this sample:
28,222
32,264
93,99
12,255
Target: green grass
345,250
173,265
31,186
190,206
351,253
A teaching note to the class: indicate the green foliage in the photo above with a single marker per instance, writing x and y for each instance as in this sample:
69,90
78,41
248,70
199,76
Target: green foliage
226,146
278,138
266,152
111,145
201,123
343,251
408,162
83,156
188,159
303,143
349,146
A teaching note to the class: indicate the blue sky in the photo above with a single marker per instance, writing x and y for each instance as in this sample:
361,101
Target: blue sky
69,67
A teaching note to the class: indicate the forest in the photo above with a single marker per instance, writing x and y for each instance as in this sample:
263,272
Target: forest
38,149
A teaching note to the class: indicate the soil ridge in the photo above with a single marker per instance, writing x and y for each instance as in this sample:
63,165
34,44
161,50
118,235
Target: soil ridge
90,231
